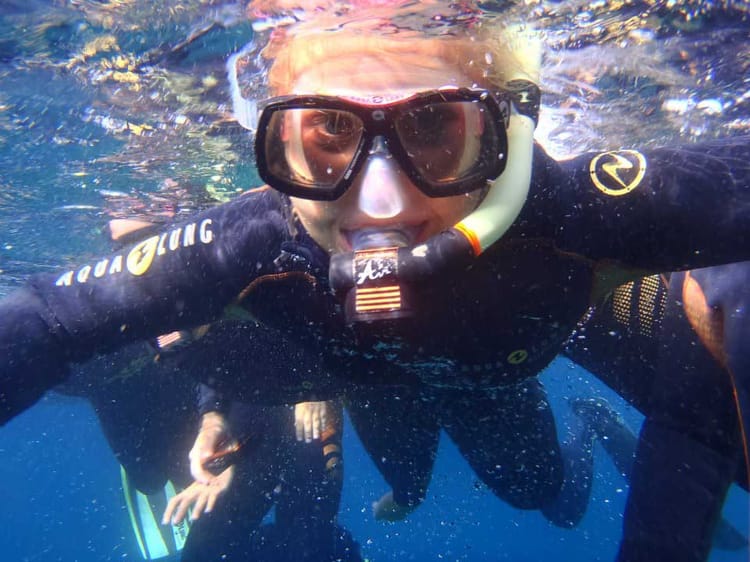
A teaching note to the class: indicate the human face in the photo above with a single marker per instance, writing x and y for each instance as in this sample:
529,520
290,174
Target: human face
381,199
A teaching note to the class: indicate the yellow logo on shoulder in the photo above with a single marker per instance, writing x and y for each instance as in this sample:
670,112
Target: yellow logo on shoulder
617,172
140,258
518,356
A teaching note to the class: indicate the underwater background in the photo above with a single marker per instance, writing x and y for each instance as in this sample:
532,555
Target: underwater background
62,499
119,108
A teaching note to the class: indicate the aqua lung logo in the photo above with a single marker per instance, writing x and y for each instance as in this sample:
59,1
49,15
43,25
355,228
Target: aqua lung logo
619,172
139,259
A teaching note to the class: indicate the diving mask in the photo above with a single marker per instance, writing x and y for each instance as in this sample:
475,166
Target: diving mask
448,141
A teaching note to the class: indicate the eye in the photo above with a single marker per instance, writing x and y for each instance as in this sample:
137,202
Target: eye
334,130
334,123
339,123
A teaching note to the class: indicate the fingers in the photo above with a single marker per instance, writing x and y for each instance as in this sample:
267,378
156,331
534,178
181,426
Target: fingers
201,497
310,420
166,519
182,508
314,430
211,502
178,506
200,504
323,424
303,421
299,421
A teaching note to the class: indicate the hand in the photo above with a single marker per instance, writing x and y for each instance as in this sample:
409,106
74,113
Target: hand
310,420
213,441
386,509
202,498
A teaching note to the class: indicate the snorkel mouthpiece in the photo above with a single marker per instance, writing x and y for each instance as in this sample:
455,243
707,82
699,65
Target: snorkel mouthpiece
370,238
377,280
373,290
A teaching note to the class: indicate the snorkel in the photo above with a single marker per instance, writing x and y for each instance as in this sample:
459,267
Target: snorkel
378,274
377,280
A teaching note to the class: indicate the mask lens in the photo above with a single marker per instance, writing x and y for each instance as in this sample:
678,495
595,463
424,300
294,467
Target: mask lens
449,142
312,148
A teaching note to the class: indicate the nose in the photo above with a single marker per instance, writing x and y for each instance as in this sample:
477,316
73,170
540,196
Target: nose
381,184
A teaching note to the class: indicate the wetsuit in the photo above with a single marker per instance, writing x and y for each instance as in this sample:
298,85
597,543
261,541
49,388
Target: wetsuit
145,410
303,481
498,322
671,345
508,438
485,329
145,399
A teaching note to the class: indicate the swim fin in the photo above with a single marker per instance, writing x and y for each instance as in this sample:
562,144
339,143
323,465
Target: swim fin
154,539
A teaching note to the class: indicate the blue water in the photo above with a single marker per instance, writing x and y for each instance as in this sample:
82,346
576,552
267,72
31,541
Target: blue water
62,499
63,143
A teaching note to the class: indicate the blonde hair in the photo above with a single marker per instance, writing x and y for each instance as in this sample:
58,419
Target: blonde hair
491,55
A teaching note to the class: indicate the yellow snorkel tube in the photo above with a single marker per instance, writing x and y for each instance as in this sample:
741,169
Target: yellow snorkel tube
508,193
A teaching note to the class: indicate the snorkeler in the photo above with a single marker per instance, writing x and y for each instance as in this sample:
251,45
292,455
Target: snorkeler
596,421
411,233
289,458
670,345
144,396
146,413
302,479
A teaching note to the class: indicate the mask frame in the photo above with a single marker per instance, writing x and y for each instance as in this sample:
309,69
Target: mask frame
382,120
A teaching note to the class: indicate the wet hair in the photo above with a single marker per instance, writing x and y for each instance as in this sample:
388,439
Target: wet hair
490,53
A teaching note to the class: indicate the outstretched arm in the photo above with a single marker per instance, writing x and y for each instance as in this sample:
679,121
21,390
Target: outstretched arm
32,356
177,279
663,209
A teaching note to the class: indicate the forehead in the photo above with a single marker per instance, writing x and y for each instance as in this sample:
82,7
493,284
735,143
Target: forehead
369,76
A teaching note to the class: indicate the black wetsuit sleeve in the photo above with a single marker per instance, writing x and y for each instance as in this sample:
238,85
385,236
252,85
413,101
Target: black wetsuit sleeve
29,344
177,279
211,400
663,209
